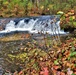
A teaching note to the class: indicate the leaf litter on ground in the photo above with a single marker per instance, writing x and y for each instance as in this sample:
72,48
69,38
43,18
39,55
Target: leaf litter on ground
33,60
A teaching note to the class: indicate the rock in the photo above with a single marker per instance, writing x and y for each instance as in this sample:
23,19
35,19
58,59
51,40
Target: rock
1,70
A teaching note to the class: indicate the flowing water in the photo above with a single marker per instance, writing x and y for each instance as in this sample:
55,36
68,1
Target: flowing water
50,24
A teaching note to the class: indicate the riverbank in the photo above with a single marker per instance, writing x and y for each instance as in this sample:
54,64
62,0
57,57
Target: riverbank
26,55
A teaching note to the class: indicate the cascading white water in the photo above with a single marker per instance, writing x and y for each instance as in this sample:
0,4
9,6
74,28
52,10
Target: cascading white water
26,26
20,26
10,25
47,25
39,24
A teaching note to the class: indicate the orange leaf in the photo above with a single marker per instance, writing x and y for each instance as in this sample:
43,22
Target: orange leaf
21,72
55,67
62,73
45,72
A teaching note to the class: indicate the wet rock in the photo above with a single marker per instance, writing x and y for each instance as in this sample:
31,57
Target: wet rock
1,70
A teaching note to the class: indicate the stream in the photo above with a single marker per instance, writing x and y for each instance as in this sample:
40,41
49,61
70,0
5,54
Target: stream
34,25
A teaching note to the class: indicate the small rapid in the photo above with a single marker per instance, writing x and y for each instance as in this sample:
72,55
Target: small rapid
49,24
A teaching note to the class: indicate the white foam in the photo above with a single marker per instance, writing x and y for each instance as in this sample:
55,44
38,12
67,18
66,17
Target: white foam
34,26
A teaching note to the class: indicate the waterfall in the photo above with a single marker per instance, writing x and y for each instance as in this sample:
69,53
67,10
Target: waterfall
50,24
10,25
